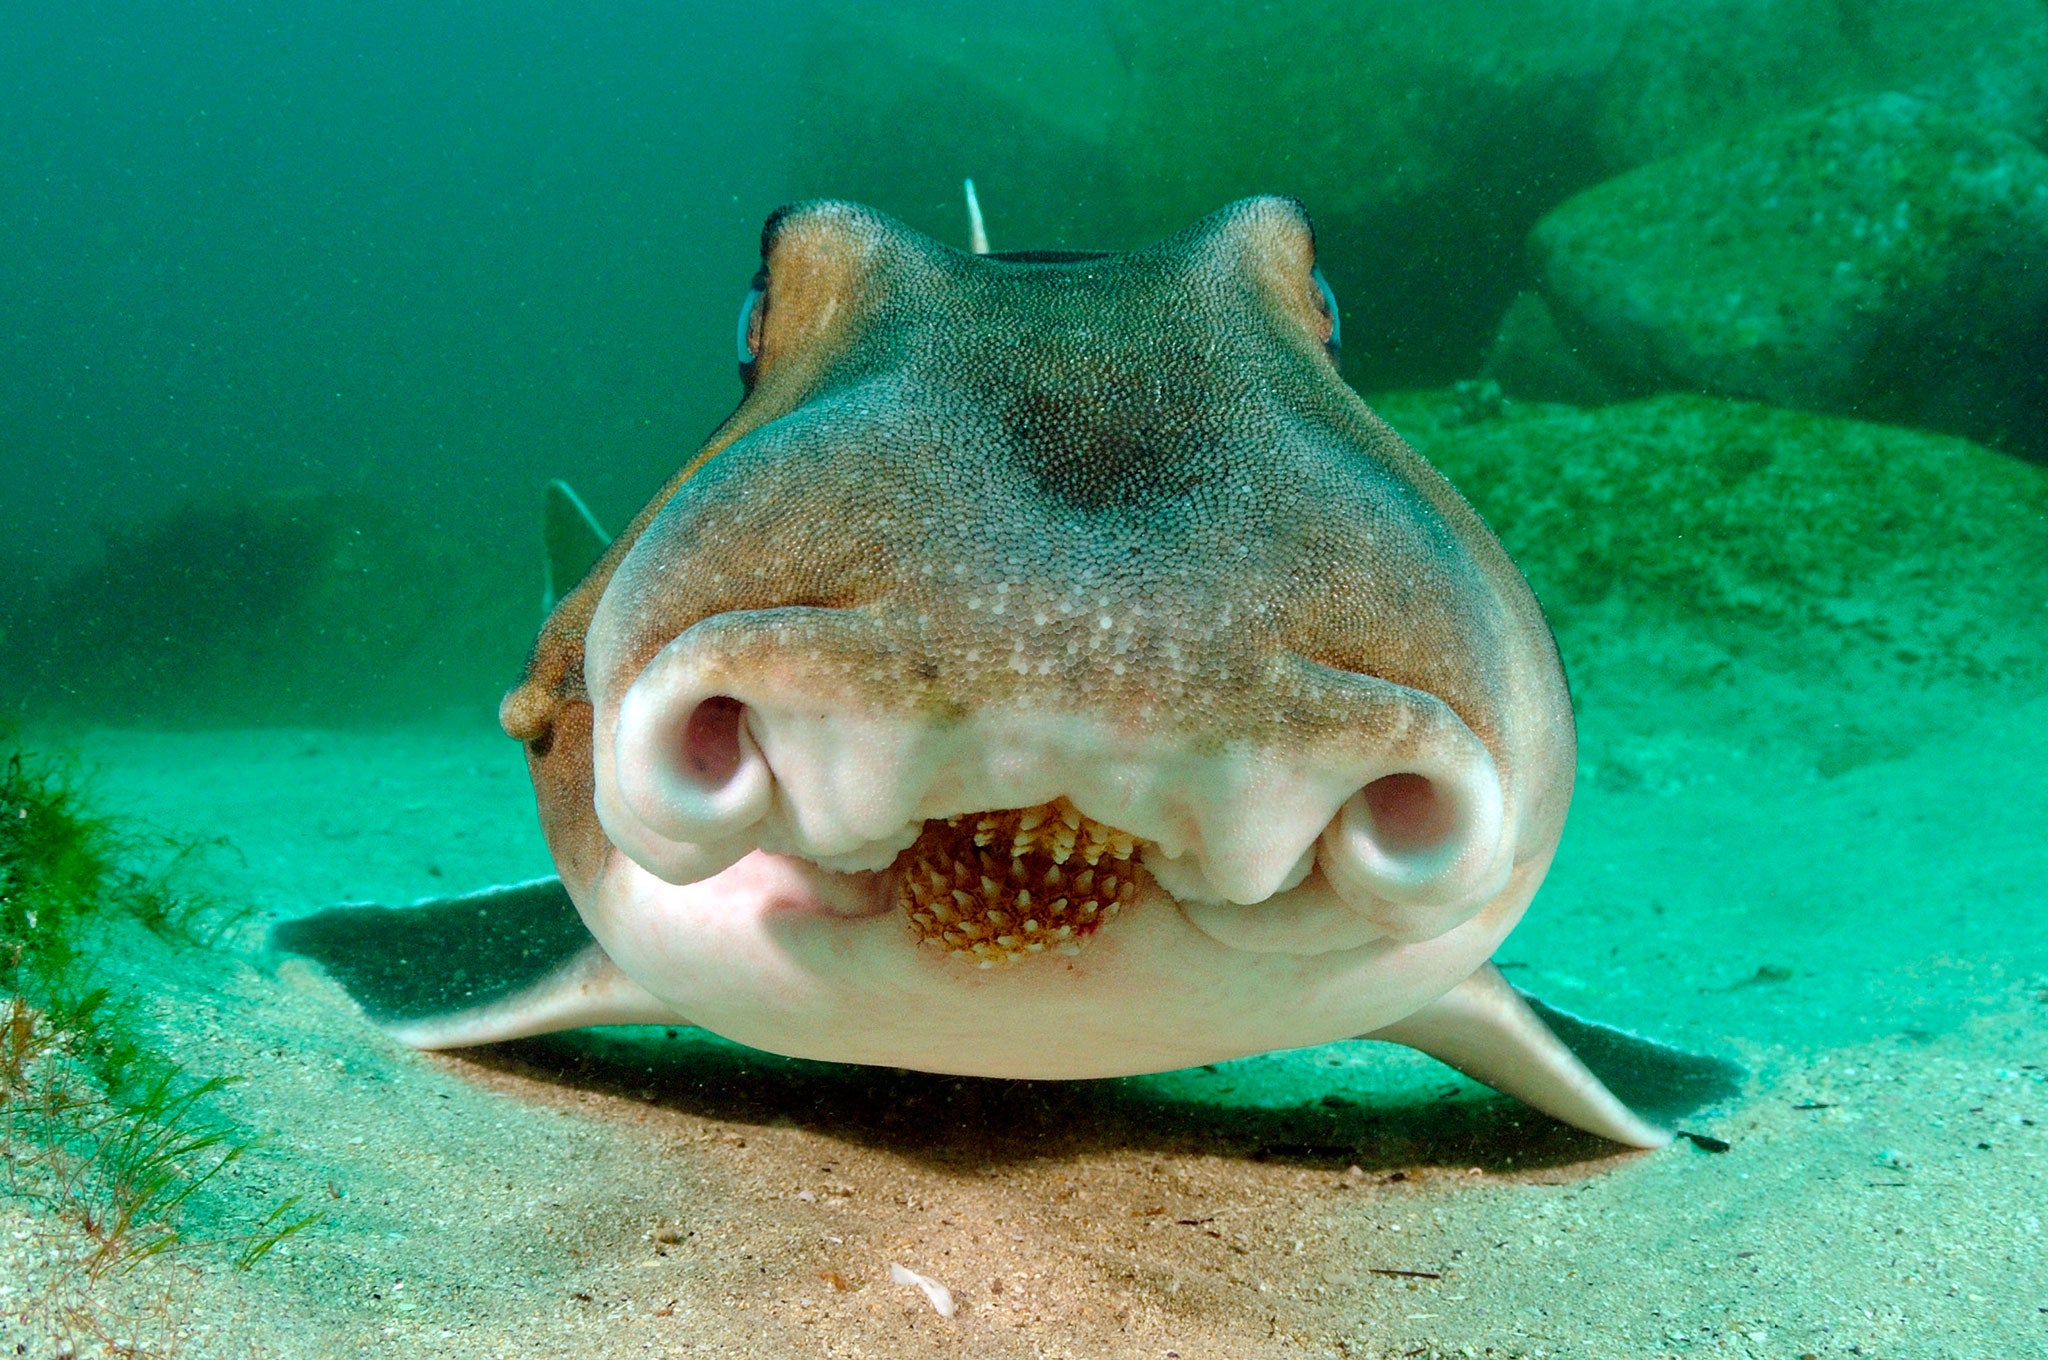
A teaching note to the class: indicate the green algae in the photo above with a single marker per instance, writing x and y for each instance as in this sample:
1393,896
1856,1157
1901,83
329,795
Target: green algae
97,1125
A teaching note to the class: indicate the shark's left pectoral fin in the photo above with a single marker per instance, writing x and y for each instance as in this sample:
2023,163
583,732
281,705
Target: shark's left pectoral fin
1571,1069
499,964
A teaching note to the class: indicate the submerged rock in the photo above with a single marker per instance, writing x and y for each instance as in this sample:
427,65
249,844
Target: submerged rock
895,112
1424,138
1535,361
1841,584
1878,257
1691,71
277,608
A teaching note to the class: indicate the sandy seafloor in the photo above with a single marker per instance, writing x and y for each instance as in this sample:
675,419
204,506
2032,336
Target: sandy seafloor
633,1194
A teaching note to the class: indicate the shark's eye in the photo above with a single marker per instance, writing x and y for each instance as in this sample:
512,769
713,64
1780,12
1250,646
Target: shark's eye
750,321
1330,306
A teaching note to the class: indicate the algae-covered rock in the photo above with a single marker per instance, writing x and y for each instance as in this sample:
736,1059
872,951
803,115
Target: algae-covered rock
1424,138
1877,257
895,111
292,608
1691,71
1534,360
1826,580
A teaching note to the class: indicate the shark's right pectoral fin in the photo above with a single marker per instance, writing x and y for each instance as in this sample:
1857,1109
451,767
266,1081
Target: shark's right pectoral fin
1569,1068
499,964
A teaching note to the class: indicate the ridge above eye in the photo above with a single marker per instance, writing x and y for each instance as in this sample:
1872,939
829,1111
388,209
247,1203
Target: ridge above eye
1336,340
751,312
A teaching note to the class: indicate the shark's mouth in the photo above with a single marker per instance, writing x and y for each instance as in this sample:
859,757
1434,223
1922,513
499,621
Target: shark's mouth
998,887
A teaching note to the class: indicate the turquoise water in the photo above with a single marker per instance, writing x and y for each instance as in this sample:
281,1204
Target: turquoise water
421,262
1731,320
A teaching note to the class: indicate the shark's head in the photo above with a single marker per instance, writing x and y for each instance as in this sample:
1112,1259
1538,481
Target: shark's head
1051,668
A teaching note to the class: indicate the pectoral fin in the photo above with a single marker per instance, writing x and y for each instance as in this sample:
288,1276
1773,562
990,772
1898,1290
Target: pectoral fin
1569,1068
498,964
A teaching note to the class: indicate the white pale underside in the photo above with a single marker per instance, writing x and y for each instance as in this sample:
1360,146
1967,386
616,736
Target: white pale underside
783,956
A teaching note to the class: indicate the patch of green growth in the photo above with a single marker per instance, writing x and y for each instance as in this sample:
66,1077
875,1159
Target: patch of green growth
94,1123
1837,590
1805,543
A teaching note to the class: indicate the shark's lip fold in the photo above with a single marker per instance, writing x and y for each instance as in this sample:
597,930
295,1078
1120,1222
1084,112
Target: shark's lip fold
999,887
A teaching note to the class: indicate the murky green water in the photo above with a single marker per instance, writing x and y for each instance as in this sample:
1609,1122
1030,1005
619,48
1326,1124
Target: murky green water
1730,319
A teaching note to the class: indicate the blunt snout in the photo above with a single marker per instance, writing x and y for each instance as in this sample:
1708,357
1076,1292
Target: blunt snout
805,732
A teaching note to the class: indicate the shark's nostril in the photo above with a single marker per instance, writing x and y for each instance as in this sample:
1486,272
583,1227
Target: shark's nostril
1409,816
1418,853
686,783
711,741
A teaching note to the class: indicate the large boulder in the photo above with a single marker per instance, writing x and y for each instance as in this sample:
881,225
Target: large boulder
1425,136
1425,139
1747,572
1536,361
1878,257
1692,71
895,111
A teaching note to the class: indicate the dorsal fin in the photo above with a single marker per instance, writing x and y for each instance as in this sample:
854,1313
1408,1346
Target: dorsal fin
572,541
977,234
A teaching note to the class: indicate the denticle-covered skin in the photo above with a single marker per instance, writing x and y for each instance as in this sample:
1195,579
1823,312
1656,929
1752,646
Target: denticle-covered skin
997,540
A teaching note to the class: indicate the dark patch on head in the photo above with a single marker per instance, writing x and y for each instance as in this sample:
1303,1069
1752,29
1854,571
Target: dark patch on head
1104,446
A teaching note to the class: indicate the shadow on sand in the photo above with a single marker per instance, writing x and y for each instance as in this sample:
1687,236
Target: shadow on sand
961,1122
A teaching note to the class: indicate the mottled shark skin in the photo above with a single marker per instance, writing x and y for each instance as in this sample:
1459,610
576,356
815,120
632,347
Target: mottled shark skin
1053,670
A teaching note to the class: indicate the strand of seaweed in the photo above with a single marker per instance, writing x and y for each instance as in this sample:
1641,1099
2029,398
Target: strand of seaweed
95,1124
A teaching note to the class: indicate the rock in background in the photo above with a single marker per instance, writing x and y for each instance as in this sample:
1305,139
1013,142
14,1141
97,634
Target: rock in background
1532,358
1425,139
1848,588
1879,257
313,609
1693,71
895,112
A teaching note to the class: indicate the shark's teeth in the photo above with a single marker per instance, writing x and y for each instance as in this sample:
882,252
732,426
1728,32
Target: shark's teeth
963,894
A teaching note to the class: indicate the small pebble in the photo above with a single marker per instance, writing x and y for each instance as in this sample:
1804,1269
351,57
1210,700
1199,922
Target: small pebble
940,1296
